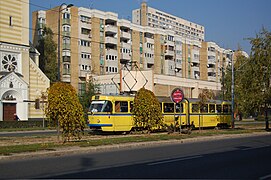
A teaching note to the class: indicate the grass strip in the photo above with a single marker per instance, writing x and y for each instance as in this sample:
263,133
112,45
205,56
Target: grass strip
8,150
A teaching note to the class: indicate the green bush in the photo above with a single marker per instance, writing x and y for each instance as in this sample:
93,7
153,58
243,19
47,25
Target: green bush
147,111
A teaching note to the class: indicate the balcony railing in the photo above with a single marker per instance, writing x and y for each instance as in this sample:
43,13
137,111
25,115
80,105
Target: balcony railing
149,40
169,53
111,40
66,33
125,56
66,46
125,35
212,78
66,21
110,28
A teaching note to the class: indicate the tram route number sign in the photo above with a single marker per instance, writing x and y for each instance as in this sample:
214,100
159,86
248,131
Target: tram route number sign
177,95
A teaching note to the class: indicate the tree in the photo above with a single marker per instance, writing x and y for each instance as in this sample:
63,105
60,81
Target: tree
252,75
204,96
65,110
85,98
48,56
147,110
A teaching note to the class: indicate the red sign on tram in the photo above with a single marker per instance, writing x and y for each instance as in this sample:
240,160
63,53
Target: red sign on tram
177,95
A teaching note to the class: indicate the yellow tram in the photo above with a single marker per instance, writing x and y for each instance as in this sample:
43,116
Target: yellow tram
114,113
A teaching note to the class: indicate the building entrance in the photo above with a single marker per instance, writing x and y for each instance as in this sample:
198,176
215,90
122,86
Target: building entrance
9,110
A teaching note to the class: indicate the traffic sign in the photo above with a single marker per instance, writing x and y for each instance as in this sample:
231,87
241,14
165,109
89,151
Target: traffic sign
177,95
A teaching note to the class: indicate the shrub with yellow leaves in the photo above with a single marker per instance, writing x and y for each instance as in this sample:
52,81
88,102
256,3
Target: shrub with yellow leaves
64,110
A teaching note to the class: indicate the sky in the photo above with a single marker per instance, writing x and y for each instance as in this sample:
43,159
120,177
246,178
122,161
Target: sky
229,23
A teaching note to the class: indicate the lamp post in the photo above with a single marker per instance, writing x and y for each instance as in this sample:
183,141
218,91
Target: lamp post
58,52
58,45
232,91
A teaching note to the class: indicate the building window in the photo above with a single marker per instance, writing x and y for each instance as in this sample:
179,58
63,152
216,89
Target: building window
10,20
81,88
85,31
9,62
85,43
66,69
66,16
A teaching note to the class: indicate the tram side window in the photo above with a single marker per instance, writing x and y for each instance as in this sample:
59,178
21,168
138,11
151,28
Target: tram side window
218,108
195,108
169,107
226,108
121,106
108,107
211,108
179,108
204,108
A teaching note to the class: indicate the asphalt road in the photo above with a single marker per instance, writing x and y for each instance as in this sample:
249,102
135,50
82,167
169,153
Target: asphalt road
235,158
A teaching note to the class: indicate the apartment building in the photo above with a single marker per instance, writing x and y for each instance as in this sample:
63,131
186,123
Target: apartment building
21,80
98,45
148,16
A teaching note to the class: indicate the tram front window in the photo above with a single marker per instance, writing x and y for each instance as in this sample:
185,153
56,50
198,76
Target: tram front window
100,106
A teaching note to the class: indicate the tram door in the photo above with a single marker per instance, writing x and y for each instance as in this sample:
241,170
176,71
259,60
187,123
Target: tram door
122,120
9,110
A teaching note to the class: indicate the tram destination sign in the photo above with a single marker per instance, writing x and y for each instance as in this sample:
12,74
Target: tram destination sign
177,95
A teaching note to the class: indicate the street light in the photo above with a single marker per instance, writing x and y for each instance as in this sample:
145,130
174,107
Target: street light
58,47
232,86
58,52
232,91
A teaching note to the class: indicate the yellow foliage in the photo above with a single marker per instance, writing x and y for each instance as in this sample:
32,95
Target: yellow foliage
64,108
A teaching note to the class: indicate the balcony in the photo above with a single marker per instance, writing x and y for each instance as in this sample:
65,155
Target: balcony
85,48
169,53
113,52
66,46
179,65
195,59
149,40
212,78
125,45
83,73
41,25
125,56
66,21
169,43
149,60
178,56
86,36
66,78
111,28
211,70
66,33
195,68
111,40
212,61
125,35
